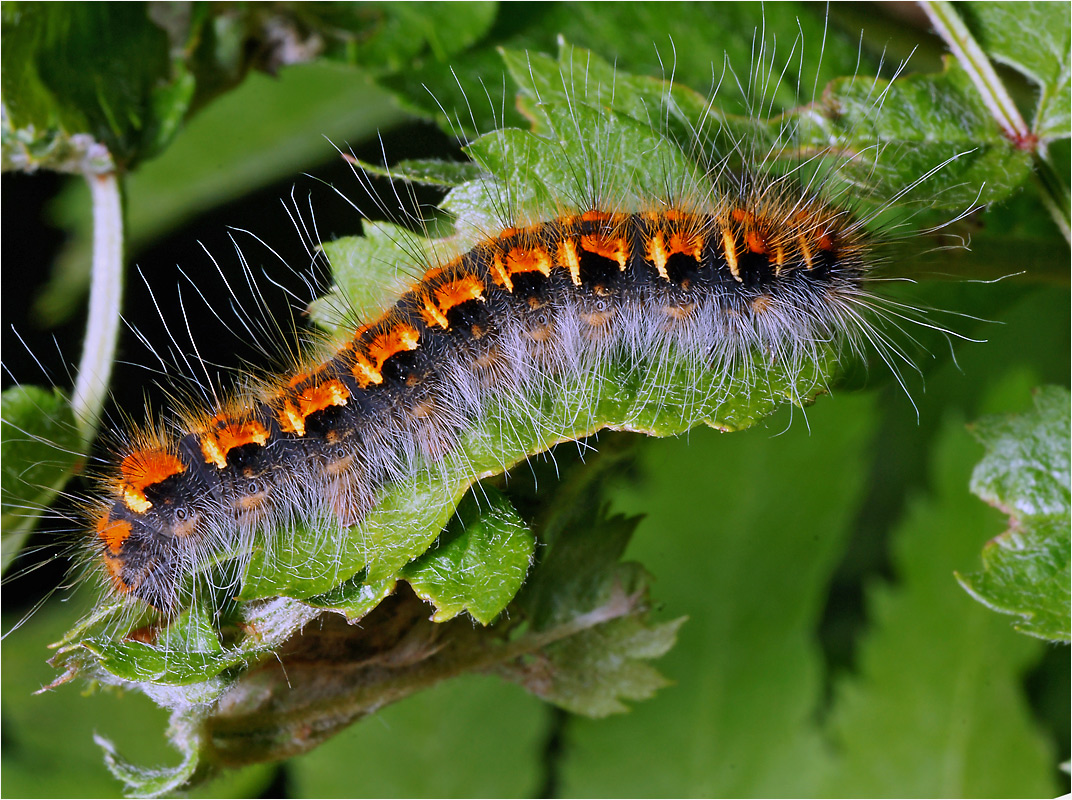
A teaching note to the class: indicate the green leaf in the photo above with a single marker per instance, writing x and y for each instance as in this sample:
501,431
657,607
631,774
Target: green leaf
878,135
926,140
635,162
1026,573
479,563
1026,570
593,672
1043,56
684,39
39,449
147,781
354,598
744,533
187,661
367,272
580,570
1026,469
188,652
98,69
425,171
936,707
904,129
387,37
580,577
546,81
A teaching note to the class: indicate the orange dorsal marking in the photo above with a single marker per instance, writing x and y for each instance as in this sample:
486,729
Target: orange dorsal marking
142,469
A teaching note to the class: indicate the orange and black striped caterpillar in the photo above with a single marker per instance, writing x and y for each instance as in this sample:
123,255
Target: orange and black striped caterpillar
758,277
637,261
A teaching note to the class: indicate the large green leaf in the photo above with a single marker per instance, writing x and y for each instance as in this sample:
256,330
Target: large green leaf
1026,570
479,562
593,673
386,37
698,44
744,533
936,707
926,140
99,69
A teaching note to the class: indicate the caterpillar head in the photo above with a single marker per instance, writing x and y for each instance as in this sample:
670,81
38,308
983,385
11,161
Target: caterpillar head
146,537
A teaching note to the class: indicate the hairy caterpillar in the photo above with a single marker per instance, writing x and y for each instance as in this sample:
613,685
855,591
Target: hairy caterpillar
718,229
666,293
730,284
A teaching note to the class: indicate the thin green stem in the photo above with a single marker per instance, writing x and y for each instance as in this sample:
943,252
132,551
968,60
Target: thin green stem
1054,191
971,56
973,59
105,296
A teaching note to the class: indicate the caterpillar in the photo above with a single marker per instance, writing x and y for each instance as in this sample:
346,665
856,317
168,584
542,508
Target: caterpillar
748,281
533,310
650,304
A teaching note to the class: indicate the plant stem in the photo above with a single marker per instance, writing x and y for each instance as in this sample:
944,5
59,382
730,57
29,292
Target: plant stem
973,59
105,296
971,56
1054,191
